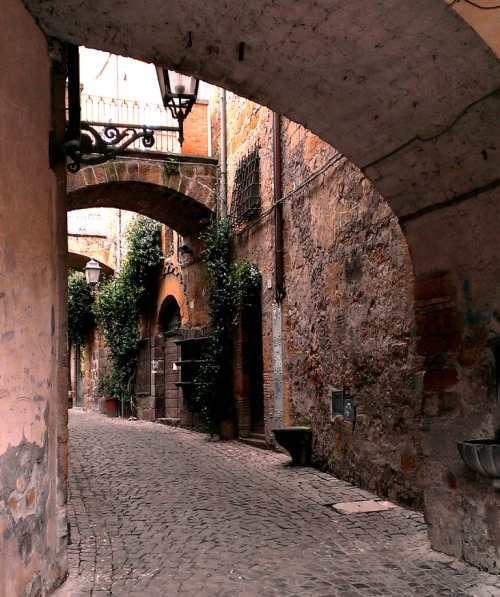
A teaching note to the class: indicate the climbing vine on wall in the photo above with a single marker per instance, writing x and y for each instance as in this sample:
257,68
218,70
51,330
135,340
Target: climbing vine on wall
122,300
229,287
80,316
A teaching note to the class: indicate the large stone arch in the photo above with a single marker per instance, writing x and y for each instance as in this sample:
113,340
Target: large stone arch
182,197
406,90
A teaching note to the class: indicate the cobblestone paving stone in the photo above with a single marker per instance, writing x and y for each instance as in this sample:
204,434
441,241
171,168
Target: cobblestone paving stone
158,511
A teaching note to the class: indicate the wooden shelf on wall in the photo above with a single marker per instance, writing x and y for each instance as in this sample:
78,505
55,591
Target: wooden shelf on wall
189,363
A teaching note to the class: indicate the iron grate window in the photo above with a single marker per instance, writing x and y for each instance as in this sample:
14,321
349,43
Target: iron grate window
173,324
245,200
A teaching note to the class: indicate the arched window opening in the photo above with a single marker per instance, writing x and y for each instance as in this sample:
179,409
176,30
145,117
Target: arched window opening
170,317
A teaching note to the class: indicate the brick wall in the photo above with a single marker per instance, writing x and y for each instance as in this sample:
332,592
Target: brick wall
172,392
196,130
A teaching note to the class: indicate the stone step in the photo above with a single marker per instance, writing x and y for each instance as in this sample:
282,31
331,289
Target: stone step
257,440
170,421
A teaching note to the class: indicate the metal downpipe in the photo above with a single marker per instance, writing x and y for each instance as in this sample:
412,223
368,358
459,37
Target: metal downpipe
278,212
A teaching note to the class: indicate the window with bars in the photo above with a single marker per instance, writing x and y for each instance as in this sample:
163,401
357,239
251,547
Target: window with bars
170,317
246,200
173,323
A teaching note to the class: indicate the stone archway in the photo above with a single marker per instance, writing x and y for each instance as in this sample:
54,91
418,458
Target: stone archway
183,199
406,91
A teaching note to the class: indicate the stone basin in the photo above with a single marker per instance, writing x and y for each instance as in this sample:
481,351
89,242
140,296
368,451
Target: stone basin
482,456
297,442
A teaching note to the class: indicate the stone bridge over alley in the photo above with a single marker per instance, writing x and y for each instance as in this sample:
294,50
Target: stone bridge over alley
160,511
178,191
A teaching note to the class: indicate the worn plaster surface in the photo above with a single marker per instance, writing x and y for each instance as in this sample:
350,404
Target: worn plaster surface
32,341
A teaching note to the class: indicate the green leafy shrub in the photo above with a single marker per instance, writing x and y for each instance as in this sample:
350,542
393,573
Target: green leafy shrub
229,287
122,300
80,315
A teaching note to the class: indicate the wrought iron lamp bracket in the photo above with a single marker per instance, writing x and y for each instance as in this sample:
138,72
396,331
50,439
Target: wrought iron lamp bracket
84,144
96,147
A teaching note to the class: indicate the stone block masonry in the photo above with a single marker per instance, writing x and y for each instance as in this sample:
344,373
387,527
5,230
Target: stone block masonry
347,318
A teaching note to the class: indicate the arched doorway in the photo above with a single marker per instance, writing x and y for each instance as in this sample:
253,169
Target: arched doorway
169,326
249,373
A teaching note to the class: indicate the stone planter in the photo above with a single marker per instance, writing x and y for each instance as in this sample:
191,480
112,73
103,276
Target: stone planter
297,442
482,456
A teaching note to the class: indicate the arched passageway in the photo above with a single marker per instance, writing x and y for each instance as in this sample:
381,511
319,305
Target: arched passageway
157,189
407,91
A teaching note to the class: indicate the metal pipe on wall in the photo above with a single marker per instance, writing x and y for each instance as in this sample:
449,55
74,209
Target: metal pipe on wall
279,286
223,156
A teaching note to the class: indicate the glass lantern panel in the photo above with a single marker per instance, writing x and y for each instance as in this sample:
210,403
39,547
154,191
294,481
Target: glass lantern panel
181,84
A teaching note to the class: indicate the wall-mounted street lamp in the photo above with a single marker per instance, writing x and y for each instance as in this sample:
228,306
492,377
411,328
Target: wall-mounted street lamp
84,144
93,272
179,94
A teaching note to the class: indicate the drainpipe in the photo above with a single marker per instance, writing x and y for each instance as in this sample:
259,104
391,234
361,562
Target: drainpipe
223,156
118,240
278,212
209,123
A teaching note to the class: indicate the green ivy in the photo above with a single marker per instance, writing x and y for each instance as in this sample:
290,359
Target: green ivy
171,167
80,316
122,300
230,286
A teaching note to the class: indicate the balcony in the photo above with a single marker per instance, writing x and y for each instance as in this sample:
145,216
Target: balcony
100,112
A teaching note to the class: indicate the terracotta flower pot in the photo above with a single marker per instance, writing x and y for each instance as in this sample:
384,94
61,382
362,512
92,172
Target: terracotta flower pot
111,406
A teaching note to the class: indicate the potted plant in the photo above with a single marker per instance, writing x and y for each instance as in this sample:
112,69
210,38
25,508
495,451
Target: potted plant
105,389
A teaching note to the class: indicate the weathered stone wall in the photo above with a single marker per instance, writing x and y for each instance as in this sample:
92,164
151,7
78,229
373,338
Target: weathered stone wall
455,255
420,358
348,322
348,312
34,361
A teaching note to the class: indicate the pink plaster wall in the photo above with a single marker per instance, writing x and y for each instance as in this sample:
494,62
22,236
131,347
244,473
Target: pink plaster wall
32,515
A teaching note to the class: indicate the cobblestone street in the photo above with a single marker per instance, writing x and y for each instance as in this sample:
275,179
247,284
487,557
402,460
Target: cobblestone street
159,511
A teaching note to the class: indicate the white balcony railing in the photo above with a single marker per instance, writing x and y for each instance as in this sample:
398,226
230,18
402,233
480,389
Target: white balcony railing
97,110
